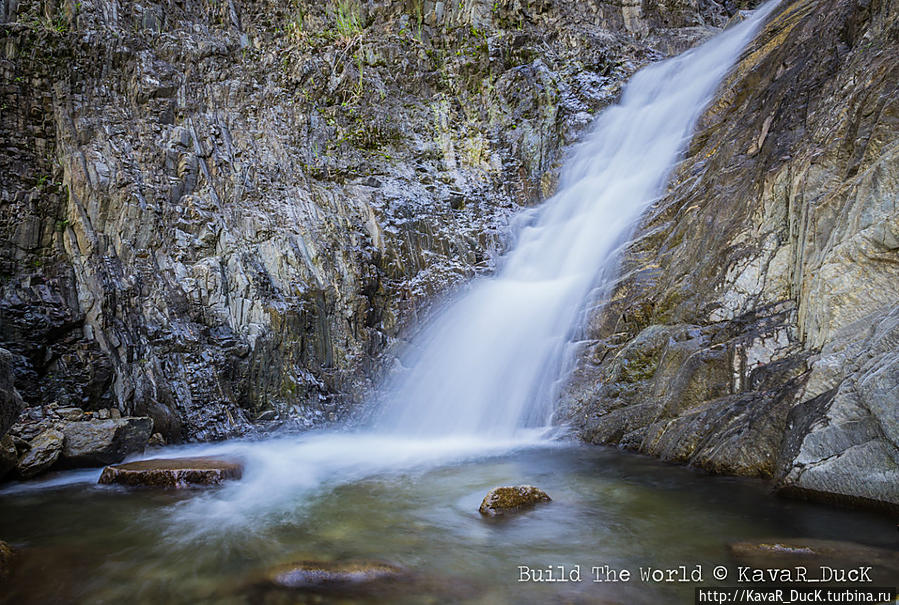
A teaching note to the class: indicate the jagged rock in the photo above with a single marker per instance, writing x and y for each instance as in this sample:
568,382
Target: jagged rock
156,440
45,451
503,500
9,456
10,402
172,472
101,442
331,574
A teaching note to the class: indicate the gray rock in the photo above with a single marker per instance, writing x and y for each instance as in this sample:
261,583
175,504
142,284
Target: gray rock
102,442
45,451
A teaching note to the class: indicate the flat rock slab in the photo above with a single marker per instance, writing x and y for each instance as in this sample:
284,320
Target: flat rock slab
502,500
173,472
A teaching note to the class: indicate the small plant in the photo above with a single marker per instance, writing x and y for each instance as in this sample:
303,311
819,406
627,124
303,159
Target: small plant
348,24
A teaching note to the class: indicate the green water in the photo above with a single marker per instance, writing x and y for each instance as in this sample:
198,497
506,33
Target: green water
84,543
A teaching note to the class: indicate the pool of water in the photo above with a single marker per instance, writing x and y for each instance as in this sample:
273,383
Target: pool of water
81,542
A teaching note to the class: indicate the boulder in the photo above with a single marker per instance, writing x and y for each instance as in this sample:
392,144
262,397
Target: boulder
8,455
331,574
172,472
102,442
502,500
10,402
45,451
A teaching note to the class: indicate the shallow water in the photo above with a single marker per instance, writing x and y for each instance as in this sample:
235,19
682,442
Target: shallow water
87,543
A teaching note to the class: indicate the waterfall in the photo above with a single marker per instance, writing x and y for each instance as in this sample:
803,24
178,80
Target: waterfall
487,363
478,378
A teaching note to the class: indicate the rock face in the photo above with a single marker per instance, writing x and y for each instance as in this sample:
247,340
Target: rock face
172,472
101,442
754,327
504,500
214,212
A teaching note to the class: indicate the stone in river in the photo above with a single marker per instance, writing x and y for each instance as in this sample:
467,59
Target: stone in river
6,555
173,472
324,574
502,500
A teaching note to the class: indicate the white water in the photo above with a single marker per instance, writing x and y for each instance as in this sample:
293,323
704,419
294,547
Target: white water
479,378
487,364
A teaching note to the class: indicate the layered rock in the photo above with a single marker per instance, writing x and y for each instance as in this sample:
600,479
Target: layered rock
218,212
753,327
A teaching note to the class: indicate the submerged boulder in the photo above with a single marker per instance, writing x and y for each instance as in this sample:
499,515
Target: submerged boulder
331,574
173,472
502,500
45,451
787,553
101,442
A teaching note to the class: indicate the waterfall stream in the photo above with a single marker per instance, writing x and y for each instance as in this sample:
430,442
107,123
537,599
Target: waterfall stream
487,364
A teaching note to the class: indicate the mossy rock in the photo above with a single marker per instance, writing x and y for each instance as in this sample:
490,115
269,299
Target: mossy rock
172,472
503,500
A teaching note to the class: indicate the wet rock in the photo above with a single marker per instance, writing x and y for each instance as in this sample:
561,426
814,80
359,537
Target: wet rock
502,500
172,472
45,450
332,574
156,440
10,402
101,442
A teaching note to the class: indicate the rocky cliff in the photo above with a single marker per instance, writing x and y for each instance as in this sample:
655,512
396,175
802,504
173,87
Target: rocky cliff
754,327
222,214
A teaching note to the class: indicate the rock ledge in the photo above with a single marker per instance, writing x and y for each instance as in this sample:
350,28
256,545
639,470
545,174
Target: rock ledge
173,472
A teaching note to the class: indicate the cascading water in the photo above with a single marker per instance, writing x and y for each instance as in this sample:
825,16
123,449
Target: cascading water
478,379
487,363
